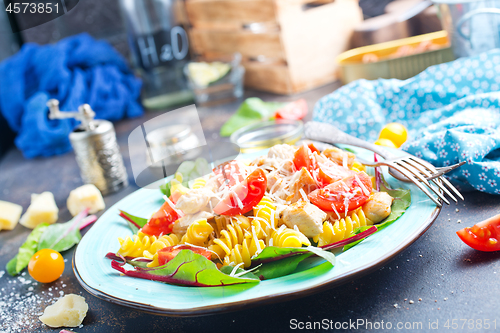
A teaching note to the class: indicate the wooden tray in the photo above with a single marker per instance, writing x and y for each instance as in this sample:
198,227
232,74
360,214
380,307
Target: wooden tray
287,46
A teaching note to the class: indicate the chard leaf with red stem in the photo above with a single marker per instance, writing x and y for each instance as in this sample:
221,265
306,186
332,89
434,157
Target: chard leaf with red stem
188,269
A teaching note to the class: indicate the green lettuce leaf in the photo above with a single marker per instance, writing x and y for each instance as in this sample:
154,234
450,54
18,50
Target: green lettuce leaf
187,268
26,251
251,111
62,236
51,238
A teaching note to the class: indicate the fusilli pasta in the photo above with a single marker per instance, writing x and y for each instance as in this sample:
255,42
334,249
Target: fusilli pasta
286,237
243,253
264,213
198,183
197,233
142,245
342,228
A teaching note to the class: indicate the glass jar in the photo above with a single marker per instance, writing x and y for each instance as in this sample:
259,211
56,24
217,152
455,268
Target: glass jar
159,48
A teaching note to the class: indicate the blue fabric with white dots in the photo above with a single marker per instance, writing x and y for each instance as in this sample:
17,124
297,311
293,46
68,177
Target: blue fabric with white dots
452,112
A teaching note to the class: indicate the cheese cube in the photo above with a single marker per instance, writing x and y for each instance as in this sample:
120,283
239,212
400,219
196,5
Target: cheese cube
9,215
86,196
68,311
43,208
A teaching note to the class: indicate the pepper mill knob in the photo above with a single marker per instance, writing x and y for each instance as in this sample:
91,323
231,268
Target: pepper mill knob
85,114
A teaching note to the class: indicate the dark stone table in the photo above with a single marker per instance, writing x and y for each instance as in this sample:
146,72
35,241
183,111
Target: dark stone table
436,280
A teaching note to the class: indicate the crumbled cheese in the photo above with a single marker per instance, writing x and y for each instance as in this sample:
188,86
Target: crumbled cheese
68,311
86,196
42,209
9,215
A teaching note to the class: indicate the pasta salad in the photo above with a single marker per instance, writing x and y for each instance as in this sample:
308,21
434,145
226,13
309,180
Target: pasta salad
246,222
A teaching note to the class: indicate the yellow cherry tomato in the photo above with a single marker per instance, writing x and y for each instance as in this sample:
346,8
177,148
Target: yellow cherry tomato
46,266
385,143
395,132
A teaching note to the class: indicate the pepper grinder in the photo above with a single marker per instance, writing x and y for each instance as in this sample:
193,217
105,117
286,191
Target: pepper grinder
96,148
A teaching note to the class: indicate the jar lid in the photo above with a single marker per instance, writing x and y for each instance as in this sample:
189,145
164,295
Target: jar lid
267,134
168,135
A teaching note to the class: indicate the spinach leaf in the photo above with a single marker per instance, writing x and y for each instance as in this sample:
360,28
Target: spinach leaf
134,222
251,111
278,262
188,269
239,272
26,251
282,267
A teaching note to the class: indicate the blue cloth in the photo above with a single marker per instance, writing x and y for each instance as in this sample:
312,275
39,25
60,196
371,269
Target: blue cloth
75,71
452,112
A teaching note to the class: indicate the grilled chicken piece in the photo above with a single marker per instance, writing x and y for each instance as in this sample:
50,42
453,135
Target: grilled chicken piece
182,224
338,156
194,201
378,207
307,217
301,180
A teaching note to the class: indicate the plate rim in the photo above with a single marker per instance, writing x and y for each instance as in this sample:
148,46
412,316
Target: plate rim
268,299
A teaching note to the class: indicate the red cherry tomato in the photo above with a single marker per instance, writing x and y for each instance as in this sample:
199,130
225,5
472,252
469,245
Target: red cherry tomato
303,158
293,111
162,221
249,192
168,253
484,236
354,190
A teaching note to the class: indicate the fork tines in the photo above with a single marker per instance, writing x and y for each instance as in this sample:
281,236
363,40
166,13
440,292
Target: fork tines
420,171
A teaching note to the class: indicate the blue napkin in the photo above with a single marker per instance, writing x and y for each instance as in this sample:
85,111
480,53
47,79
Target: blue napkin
75,71
452,112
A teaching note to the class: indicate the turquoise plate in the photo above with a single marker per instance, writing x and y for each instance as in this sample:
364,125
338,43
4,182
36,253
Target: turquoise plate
95,274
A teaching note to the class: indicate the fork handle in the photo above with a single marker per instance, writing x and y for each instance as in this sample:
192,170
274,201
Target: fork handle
328,133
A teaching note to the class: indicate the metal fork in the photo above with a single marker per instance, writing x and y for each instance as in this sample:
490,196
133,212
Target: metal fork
405,168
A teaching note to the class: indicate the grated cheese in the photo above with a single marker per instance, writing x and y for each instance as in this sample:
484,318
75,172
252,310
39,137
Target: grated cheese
304,195
336,212
171,204
365,190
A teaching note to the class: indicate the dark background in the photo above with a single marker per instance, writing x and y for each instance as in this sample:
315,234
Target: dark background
102,19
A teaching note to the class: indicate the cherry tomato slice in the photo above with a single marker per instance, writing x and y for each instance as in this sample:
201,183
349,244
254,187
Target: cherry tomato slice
354,190
168,253
330,172
303,158
484,236
46,266
293,111
162,221
249,192
313,148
